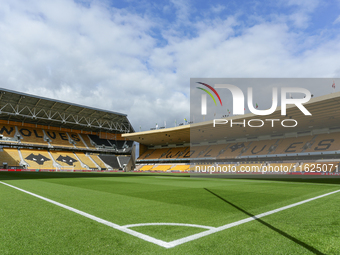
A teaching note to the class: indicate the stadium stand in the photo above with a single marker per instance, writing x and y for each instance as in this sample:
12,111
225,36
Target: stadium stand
14,153
261,147
213,151
9,158
87,141
66,160
122,146
146,168
292,145
45,134
110,160
123,160
58,138
162,168
147,154
284,146
156,153
98,161
325,142
100,142
194,152
234,150
7,131
76,140
86,160
31,136
181,168
9,134
174,152
37,159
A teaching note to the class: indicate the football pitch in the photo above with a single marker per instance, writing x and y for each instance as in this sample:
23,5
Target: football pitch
134,213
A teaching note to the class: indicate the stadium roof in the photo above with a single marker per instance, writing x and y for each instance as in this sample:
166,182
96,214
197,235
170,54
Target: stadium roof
325,112
21,107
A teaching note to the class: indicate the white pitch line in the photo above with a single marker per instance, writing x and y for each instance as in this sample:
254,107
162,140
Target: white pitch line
167,224
175,242
92,217
209,232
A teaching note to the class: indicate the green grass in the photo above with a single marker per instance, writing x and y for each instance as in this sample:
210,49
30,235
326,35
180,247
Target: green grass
29,225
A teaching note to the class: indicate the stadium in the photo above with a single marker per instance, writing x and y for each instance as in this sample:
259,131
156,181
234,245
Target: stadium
71,182
296,149
43,134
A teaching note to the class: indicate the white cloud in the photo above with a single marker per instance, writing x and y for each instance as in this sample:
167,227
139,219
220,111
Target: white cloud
217,8
302,9
337,20
109,58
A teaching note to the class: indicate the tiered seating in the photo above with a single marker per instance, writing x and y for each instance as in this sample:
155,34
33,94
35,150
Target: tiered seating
292,145
86,160
233,150
124,160
99,162
155,153
7,131
61,138
195,151
14,153
110,160
181,168
67,159
146,168
39,137
32,135
58,138
99,141
37,159
147,154
87,141
35,136
161,168
77,140
316,143
260,147
175,152
325,142
213,151
164,168
9,156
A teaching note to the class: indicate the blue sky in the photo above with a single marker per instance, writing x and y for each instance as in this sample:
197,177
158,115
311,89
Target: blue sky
137,57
